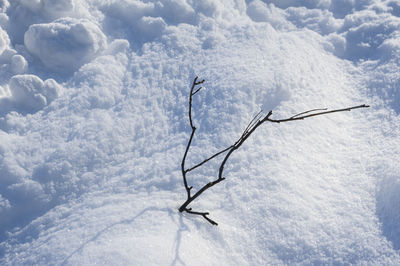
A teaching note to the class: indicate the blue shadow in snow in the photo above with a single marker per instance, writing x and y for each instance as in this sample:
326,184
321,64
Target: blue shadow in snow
388,210
171,213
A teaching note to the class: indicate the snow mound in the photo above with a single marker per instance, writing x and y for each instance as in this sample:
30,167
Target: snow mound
171,11
65,44
28,93
371,35
149,20
23,13
261,12
10,61
19,64
321,21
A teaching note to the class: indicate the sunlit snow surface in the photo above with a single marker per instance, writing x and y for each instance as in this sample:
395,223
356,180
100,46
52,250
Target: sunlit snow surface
93,126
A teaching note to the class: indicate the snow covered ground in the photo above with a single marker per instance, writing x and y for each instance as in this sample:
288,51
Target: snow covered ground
93,127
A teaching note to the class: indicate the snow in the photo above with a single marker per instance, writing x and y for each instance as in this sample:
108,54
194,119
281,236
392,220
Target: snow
65,44
93,127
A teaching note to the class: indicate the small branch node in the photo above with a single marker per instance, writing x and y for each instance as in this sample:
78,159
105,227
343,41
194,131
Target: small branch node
195,82
268,115
209,220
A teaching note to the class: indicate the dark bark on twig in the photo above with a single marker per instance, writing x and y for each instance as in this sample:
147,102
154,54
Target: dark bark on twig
257,121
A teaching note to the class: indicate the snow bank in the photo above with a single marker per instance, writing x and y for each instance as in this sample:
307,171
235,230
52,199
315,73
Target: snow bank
65,44
370,33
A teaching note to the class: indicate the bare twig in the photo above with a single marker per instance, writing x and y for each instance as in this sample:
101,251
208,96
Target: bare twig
313,110
208,159
256,121
253,122
298,117
204,214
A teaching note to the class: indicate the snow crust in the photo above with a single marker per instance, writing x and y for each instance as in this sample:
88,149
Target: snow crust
93,126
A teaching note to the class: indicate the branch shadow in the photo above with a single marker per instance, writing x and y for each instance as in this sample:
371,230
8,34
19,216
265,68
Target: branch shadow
178,239
171,213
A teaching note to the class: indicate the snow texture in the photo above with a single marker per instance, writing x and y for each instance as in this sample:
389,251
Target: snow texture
65,44
93,127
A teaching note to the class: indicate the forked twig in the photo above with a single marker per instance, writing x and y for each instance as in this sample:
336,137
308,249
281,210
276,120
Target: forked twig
254,123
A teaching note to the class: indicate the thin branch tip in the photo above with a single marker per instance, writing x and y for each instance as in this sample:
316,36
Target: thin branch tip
197,91
208,219
211,221
195,82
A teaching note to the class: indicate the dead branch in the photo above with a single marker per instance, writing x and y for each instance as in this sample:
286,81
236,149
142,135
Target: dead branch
254,123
